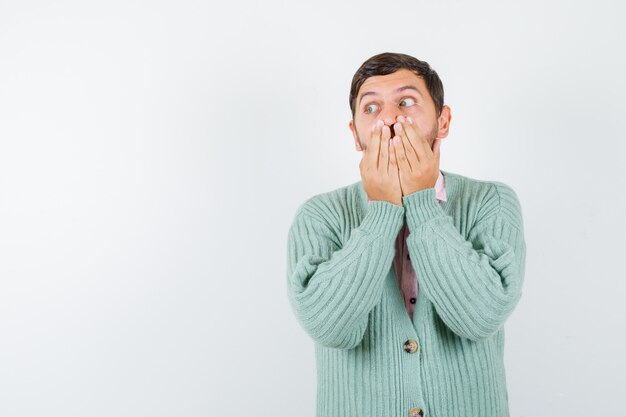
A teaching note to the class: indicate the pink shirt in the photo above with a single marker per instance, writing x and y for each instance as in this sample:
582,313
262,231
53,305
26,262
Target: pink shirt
407,281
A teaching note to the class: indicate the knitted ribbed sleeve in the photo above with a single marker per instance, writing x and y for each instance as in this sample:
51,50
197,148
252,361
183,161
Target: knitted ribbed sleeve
468,254
333,286
474,284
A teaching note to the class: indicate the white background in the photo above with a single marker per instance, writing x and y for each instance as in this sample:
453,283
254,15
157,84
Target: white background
153,154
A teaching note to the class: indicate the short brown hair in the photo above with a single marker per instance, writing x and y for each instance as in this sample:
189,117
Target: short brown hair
390,62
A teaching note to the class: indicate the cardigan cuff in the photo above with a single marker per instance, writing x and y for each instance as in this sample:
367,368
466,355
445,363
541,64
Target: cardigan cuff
383,218
421,206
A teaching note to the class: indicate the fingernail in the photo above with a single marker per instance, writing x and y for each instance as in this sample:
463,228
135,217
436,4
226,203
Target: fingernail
409,120
396,139
380,123
398,126
401,119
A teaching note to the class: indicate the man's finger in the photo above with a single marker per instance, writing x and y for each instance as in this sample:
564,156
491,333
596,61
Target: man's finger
393,164
383,160
373,147
409,151
417,139
403,164
367,150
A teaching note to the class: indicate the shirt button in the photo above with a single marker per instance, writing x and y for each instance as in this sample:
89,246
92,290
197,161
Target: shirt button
412,300
416,412
411,346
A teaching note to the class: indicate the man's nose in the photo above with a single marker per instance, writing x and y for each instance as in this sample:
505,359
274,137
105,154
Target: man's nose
389,117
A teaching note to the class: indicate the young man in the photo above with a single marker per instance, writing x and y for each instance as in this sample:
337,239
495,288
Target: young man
404,279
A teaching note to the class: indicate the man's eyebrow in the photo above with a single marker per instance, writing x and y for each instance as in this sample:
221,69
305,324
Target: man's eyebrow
406,87
409,87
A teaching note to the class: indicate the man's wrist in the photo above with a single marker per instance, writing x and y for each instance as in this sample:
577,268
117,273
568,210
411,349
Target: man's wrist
420,207
383,217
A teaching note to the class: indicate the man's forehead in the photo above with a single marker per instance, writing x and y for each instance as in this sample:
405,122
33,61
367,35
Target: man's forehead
398,80
395,82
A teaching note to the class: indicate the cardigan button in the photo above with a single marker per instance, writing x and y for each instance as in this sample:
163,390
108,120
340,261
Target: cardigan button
411,346
416,412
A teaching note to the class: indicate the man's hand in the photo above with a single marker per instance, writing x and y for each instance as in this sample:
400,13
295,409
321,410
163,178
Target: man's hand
379,170
417,162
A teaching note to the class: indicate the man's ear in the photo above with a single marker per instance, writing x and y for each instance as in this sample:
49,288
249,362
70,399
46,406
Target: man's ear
444,122
356,140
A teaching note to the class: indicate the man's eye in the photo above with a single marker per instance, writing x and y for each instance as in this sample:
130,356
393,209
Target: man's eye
371,108
407,102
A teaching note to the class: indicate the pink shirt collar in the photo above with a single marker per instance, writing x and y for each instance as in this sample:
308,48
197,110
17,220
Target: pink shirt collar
440,188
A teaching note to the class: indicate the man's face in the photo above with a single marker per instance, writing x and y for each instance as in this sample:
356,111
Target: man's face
386,97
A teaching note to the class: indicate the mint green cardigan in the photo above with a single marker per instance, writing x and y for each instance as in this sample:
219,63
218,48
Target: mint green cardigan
468,254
